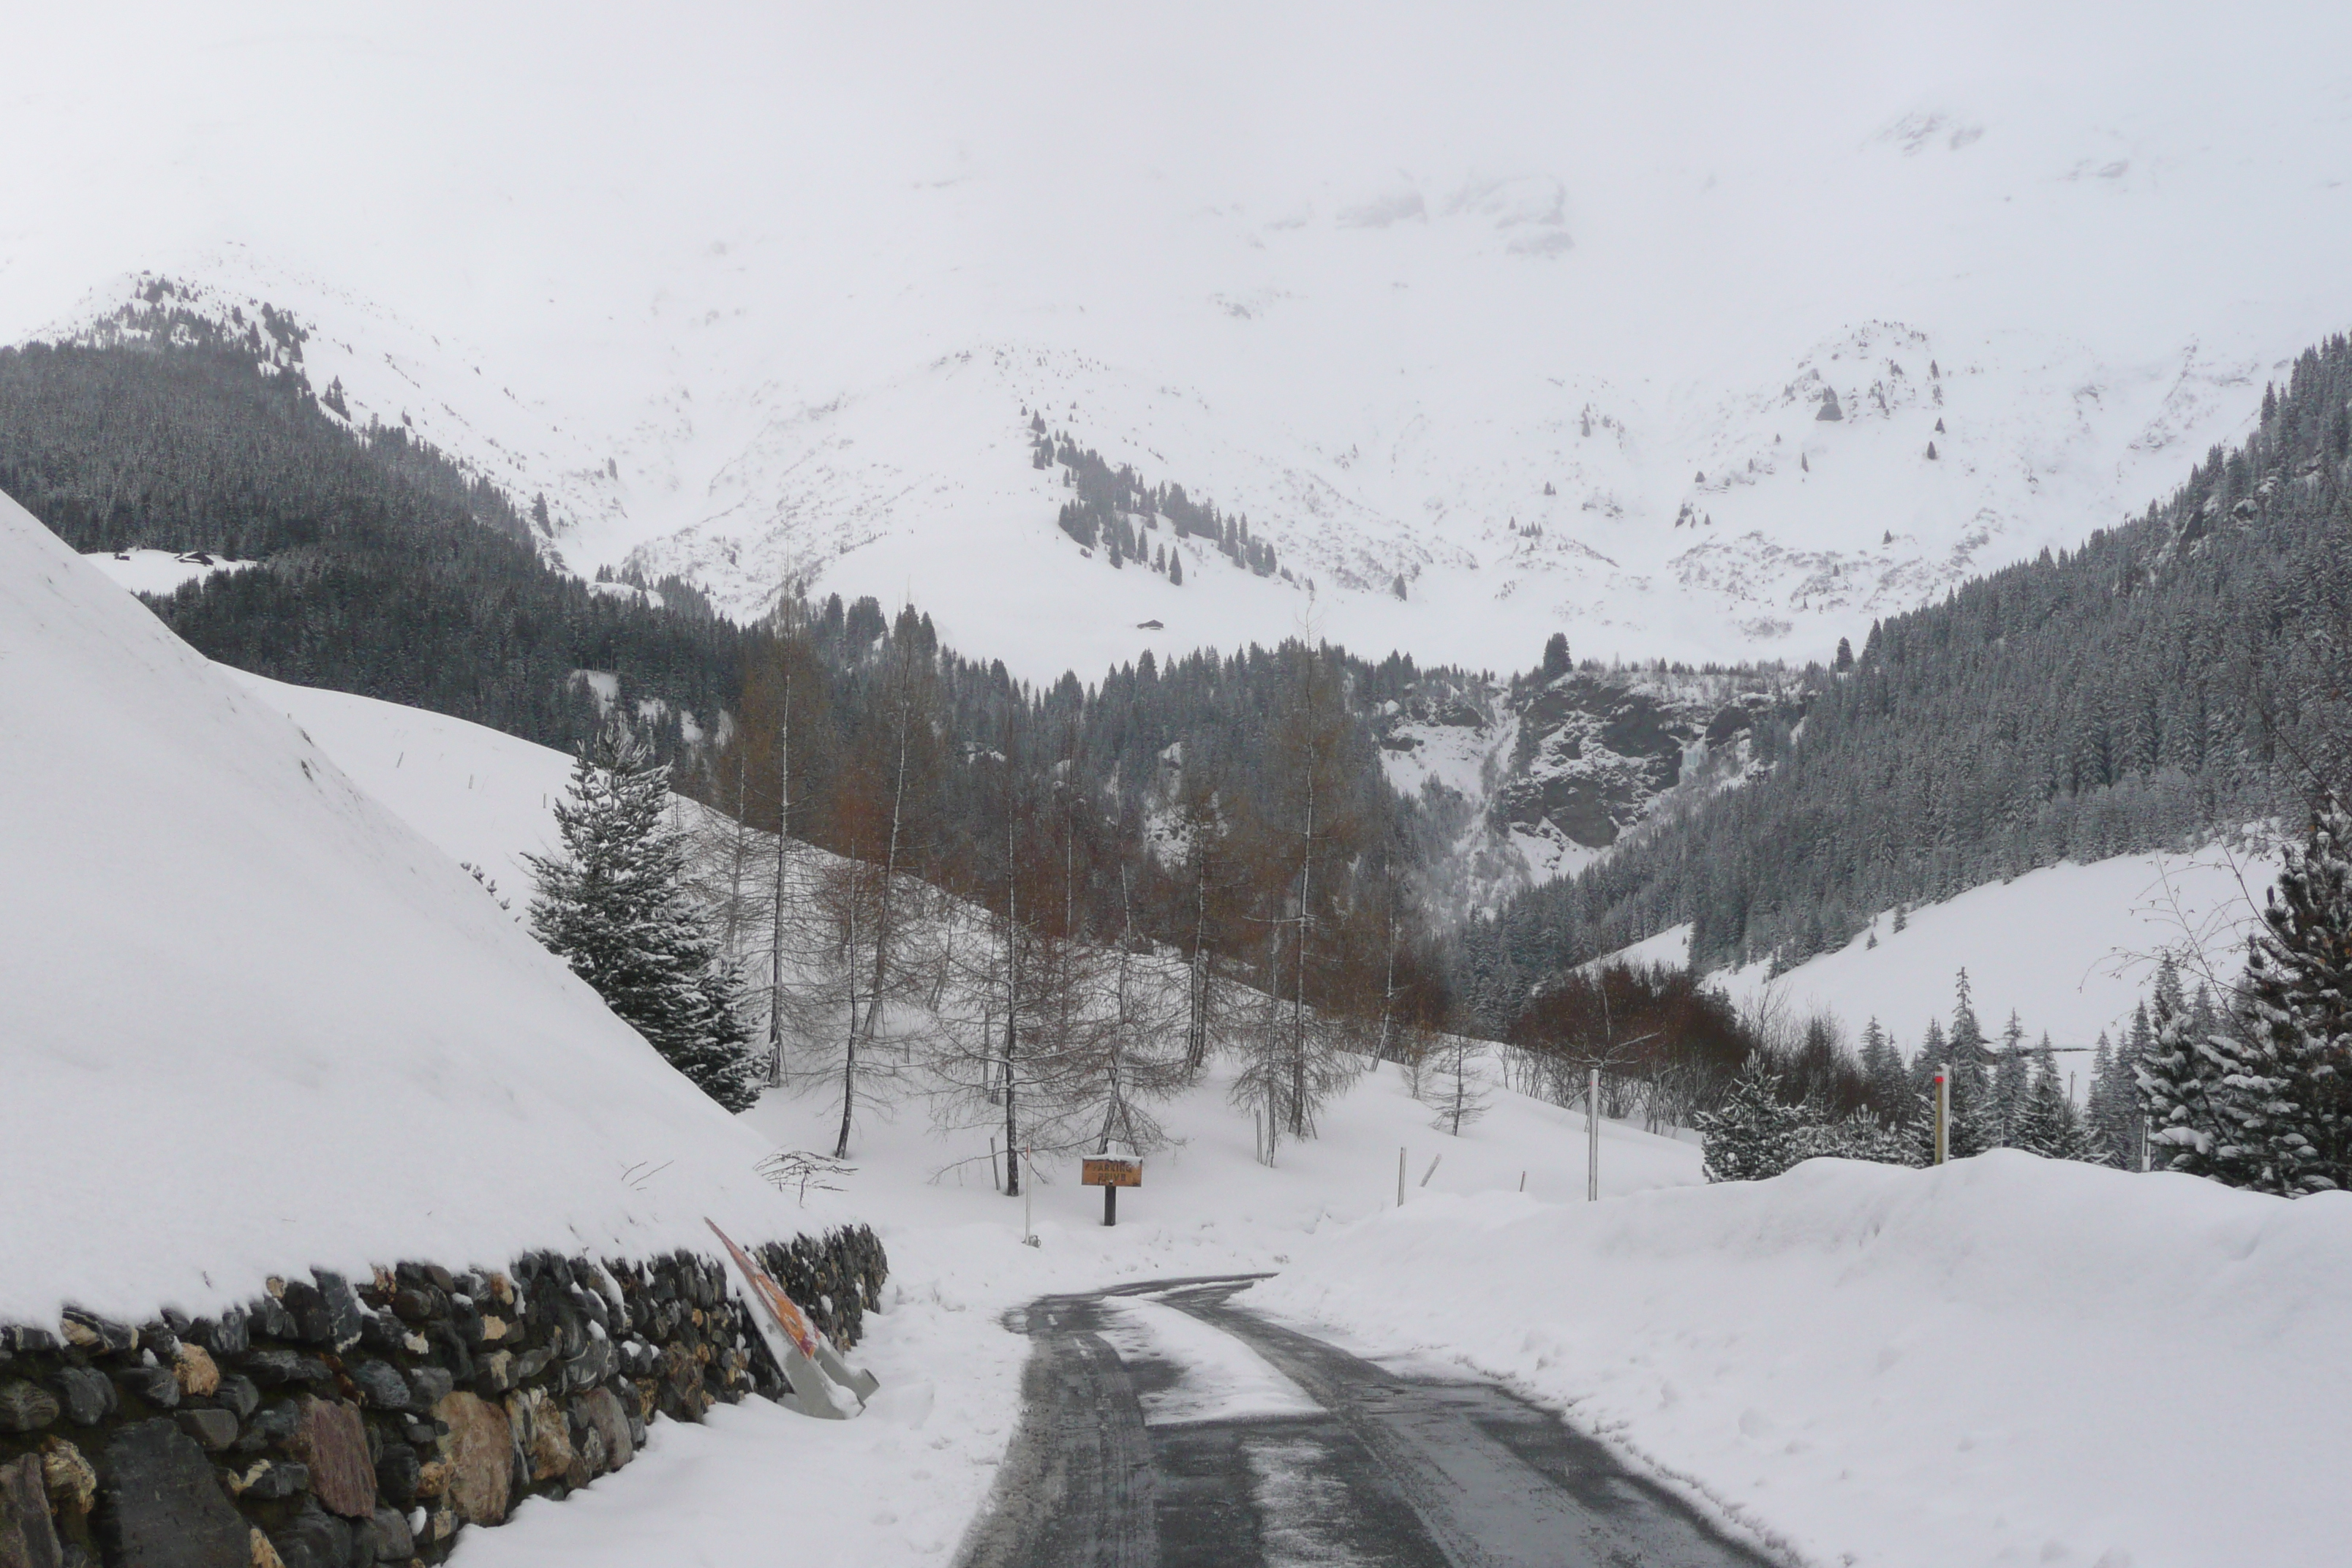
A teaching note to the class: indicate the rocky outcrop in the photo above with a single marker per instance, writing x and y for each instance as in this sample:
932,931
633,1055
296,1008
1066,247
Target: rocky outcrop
1592,753
334,1423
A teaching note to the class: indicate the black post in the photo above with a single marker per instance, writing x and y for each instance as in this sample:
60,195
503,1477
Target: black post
1110,1205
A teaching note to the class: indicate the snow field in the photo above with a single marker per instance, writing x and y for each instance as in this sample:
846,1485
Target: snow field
479,795
2004,1361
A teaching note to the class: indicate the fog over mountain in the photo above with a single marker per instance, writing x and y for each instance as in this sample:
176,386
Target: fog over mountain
1532,313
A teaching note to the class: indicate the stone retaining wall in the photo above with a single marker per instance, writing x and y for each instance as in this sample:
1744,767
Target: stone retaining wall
335,1424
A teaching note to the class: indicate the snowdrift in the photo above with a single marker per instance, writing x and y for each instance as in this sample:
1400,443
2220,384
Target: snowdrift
256,1024
2007,1360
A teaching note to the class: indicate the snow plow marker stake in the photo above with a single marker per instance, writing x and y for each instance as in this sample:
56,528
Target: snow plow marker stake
806,1357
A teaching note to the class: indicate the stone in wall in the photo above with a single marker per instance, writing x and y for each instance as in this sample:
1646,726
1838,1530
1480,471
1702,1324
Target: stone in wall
475,1458
27,1539
158,1505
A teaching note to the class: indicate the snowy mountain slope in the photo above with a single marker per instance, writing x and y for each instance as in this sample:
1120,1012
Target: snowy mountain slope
1537,308
255,1023
2073,949
479,795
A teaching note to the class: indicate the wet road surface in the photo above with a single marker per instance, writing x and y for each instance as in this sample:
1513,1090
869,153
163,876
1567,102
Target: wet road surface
1113,1469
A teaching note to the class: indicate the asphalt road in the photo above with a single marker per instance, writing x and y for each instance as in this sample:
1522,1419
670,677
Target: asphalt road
1392,1472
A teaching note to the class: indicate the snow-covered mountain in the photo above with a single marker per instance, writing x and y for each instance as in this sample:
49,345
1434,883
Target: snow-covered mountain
1542,310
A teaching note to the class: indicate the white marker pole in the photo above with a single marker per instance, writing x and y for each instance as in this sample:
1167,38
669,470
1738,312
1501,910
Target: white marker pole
1399,1175
1943,1118
1592,1137
1029,1199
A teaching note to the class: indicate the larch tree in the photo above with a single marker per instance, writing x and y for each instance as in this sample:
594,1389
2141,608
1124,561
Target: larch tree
1297,1053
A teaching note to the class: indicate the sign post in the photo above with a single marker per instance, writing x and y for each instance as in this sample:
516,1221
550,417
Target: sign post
1110,1172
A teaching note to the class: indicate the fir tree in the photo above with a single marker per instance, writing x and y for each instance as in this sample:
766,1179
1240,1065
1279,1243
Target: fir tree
2046,1122
2180,1081
612,904
2111,1113
2291,1100
1882,1070
1753,1135
2011,1086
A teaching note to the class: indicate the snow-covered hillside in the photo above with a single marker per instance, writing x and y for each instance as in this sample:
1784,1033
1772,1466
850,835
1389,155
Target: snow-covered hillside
2071,949
254,1023
1538,308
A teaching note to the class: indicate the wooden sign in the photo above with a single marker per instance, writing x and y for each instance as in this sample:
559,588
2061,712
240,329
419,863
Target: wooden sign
1112,1174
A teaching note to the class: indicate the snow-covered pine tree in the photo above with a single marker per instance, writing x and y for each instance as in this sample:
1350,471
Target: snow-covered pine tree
1882,1067
612,904
2132,1122
2111,1108
2011,1084
1753,1135
2292,1097
2181,1087
2046,1123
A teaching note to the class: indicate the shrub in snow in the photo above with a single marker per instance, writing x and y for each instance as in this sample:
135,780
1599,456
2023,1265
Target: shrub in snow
614,905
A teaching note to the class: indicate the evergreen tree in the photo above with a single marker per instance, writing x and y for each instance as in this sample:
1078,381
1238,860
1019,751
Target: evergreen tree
2180,1081
612,904
2046,1122
2012,1085
1882,1068
1753,1135
2111,1114
2290,1100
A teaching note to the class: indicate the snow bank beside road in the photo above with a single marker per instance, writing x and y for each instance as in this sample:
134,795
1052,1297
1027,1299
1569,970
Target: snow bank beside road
2005,1360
